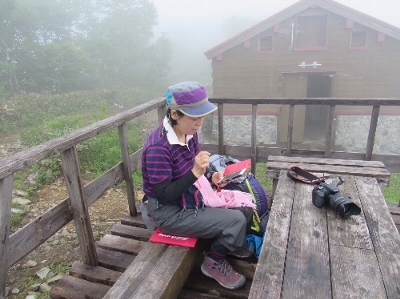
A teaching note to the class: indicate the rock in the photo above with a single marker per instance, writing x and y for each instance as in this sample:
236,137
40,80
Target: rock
34,287
33,295
44,287
17,211
15,291
20,193
29,264
55,278
44,272
21,201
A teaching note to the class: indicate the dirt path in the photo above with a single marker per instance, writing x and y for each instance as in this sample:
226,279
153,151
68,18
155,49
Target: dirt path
60,251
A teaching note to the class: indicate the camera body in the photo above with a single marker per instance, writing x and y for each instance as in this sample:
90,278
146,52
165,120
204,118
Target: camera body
329,194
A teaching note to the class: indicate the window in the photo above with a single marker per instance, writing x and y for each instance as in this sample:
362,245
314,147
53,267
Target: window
358,40
265,43
310,32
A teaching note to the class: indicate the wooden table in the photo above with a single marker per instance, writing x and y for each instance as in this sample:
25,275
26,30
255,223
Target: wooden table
313,253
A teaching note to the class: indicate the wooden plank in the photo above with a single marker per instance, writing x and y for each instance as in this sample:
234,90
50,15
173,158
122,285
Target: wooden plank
385,237
339,162
79,205
94,273
114,260
69,287
352,232
268,278
372,132
6,188
290,131
126,167
131,232
142,278
329,132
133,221
120,244
355,273
37,231
307,271
354,167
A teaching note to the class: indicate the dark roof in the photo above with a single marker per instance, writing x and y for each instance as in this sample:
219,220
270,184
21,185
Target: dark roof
298,7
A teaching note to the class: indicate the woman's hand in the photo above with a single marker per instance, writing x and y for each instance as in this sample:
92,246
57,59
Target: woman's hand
201,163
216,177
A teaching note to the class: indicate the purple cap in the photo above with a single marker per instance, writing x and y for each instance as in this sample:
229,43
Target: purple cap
190,98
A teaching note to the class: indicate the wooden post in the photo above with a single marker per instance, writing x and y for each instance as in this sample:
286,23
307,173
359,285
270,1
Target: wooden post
221,146
6,187
79,206
127,170
290,131
253,138
371,133
329,132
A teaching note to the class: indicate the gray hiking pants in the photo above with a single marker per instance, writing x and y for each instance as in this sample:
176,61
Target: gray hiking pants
228,225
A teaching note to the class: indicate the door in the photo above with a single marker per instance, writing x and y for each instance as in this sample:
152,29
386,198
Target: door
318,86
293,86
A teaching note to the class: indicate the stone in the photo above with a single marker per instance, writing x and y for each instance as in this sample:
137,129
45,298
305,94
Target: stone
55,278
20,193
44,272
44,287
15,291
29,264
21,201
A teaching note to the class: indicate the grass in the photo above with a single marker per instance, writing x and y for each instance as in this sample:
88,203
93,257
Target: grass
392,192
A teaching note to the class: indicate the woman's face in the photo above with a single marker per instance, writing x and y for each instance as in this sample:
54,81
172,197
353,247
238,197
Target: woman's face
185,124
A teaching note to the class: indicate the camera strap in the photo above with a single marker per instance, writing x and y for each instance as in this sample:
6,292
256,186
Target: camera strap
298,174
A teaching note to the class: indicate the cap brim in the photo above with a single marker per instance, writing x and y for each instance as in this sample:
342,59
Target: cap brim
200,111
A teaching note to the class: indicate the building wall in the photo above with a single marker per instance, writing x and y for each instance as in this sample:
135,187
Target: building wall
370,72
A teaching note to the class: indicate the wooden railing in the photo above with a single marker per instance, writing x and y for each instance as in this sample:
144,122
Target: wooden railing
75,207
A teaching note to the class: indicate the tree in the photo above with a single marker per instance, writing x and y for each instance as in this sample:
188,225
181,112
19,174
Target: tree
59,45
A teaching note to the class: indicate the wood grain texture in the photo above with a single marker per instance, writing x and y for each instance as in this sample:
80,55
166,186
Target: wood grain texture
94,273
355,273
268,279
120,244
159,271
307,270
114,260
385,237
6,187
70,287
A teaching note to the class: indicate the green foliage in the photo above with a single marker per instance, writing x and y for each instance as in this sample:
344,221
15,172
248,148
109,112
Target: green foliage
391,193
260,175
31,111
62,46
103,152
47,170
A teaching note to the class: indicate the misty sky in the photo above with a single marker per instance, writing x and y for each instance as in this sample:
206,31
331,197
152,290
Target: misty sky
195,26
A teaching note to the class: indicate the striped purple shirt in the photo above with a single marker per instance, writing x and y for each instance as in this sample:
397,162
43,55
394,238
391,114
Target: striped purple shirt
162,161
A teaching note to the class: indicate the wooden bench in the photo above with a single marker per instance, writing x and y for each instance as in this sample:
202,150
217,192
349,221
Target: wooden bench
375,169
158,271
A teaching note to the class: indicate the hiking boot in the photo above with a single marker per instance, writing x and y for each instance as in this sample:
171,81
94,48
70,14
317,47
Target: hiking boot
240,253
223,273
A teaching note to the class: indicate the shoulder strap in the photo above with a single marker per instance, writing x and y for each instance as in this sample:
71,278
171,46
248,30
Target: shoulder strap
298,174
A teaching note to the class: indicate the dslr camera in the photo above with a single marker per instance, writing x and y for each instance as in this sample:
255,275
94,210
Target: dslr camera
324,194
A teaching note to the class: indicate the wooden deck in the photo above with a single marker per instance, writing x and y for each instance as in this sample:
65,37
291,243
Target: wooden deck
117,250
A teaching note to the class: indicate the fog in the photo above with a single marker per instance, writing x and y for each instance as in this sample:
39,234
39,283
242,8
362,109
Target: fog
196,26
